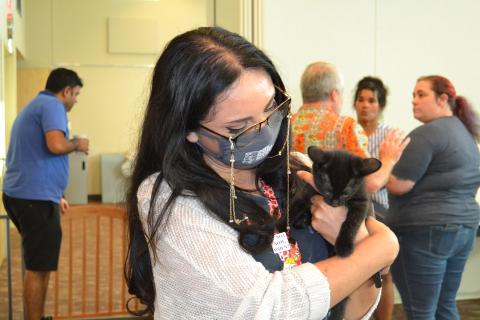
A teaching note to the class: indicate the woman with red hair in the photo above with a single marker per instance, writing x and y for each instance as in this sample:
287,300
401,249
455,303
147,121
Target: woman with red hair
433,210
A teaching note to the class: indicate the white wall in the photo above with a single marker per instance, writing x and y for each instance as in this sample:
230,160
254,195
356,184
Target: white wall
417,38
300,32
395,40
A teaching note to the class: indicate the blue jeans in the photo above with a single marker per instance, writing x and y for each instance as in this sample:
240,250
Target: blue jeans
429,267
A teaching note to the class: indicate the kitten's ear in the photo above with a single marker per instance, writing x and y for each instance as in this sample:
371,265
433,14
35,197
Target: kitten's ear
367,166
317,154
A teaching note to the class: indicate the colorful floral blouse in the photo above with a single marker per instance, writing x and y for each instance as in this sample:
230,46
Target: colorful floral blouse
314,125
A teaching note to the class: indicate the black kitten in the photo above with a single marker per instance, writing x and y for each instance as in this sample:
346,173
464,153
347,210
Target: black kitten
338,176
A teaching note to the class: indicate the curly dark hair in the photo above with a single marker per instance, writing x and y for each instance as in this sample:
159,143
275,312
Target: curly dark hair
376,85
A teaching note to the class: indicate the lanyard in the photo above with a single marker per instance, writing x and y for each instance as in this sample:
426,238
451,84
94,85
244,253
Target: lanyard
288,252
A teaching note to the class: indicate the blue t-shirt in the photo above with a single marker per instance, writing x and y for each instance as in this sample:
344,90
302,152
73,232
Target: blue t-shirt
33,172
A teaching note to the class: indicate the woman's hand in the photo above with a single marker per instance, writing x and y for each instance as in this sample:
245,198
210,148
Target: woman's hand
392,146
390,152
326,220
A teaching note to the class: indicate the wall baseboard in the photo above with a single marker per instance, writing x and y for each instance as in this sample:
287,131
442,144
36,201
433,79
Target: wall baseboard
94,198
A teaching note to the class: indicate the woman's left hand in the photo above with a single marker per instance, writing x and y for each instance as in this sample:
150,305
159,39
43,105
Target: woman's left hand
326,220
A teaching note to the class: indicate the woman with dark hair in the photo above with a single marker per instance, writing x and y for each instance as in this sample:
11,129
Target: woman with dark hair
433,209
209,225
369,102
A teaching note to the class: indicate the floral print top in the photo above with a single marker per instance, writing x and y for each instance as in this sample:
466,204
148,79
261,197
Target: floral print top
314,125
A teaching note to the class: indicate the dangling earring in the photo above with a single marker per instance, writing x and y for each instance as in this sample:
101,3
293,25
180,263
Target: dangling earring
289,172
233,195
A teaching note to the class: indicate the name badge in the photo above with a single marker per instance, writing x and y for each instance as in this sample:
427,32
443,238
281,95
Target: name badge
280,243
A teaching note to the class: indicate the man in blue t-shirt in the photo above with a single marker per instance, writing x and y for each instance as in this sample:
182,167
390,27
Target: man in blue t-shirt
36,177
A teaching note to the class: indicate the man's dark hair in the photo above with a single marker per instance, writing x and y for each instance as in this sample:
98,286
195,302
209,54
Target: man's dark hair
61,78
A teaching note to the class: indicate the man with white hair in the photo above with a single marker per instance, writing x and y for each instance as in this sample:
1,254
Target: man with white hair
318,123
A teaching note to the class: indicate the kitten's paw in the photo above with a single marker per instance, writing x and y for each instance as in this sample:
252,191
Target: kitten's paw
343,250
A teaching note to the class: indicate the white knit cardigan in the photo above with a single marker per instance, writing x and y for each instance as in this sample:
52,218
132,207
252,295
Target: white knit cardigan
203,273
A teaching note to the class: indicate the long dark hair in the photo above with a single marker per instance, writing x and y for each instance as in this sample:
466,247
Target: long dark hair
373,84
459,105
193,70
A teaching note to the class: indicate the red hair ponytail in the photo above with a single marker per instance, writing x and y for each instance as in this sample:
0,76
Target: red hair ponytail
458,104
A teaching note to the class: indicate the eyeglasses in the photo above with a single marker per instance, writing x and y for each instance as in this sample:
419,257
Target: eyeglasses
276,116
